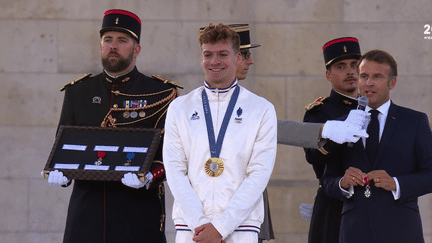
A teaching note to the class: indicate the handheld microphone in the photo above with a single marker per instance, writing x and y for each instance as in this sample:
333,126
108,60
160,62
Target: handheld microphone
362,103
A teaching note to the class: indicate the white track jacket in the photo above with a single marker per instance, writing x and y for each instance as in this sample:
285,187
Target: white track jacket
233,200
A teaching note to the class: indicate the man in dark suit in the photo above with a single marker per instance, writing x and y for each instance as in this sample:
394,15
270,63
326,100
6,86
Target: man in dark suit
380,181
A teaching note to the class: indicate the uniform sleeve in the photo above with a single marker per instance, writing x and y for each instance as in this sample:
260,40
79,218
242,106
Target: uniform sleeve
333,173
67,112
258,173
318,158
299,134
157,167
176,167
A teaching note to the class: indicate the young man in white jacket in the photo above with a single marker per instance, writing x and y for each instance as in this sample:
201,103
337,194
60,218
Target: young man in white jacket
219,149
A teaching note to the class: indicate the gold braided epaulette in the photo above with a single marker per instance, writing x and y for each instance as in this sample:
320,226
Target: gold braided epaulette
166,81
317,102
75,81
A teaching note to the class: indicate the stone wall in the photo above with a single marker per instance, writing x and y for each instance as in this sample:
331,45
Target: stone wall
47,43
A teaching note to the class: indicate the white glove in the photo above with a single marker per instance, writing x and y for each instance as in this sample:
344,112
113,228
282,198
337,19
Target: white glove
306,211
131,180
343,132
359,118
56,178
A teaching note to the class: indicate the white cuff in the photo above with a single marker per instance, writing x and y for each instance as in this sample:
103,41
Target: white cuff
396,194
348,194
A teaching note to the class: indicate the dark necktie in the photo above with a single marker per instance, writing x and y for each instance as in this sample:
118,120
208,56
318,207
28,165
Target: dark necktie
372,141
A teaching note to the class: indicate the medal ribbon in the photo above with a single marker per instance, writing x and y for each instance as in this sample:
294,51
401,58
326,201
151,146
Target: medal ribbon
216,146
101,154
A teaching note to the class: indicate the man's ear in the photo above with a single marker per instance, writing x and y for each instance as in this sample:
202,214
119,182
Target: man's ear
238,58
137,49
392,82
328,75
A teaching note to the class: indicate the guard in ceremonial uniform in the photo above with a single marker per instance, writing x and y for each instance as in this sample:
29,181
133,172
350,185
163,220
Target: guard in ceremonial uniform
341,56
120,96
266,232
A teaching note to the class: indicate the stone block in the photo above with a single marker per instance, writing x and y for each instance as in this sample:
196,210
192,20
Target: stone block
273,89
47,206
290,49
30,99
291,95
14,204
303,90
170,47
383,11
408,87
188,81
426,213
165,47
212,11
289,238
284,207
78,9
299,11
78,47
30,46
291,164
31,237
404,41
296,49
25,150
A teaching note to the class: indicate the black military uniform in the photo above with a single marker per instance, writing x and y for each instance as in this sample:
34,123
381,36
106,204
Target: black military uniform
326,215
266,230
108,211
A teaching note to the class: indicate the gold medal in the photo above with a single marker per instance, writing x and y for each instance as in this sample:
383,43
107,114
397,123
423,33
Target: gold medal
214,167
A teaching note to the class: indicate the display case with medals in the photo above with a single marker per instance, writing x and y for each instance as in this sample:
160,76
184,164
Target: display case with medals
95,153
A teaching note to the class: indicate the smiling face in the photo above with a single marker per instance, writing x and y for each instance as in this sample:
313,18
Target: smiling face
344,77
219,62
118,52
375,83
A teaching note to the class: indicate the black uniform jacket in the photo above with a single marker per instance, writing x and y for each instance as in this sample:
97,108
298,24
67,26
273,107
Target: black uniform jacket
326,214
110,211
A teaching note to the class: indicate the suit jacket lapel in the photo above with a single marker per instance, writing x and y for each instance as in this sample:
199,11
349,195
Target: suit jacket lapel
392,120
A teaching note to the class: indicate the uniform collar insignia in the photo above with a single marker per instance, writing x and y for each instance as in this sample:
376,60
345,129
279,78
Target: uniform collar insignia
97,100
